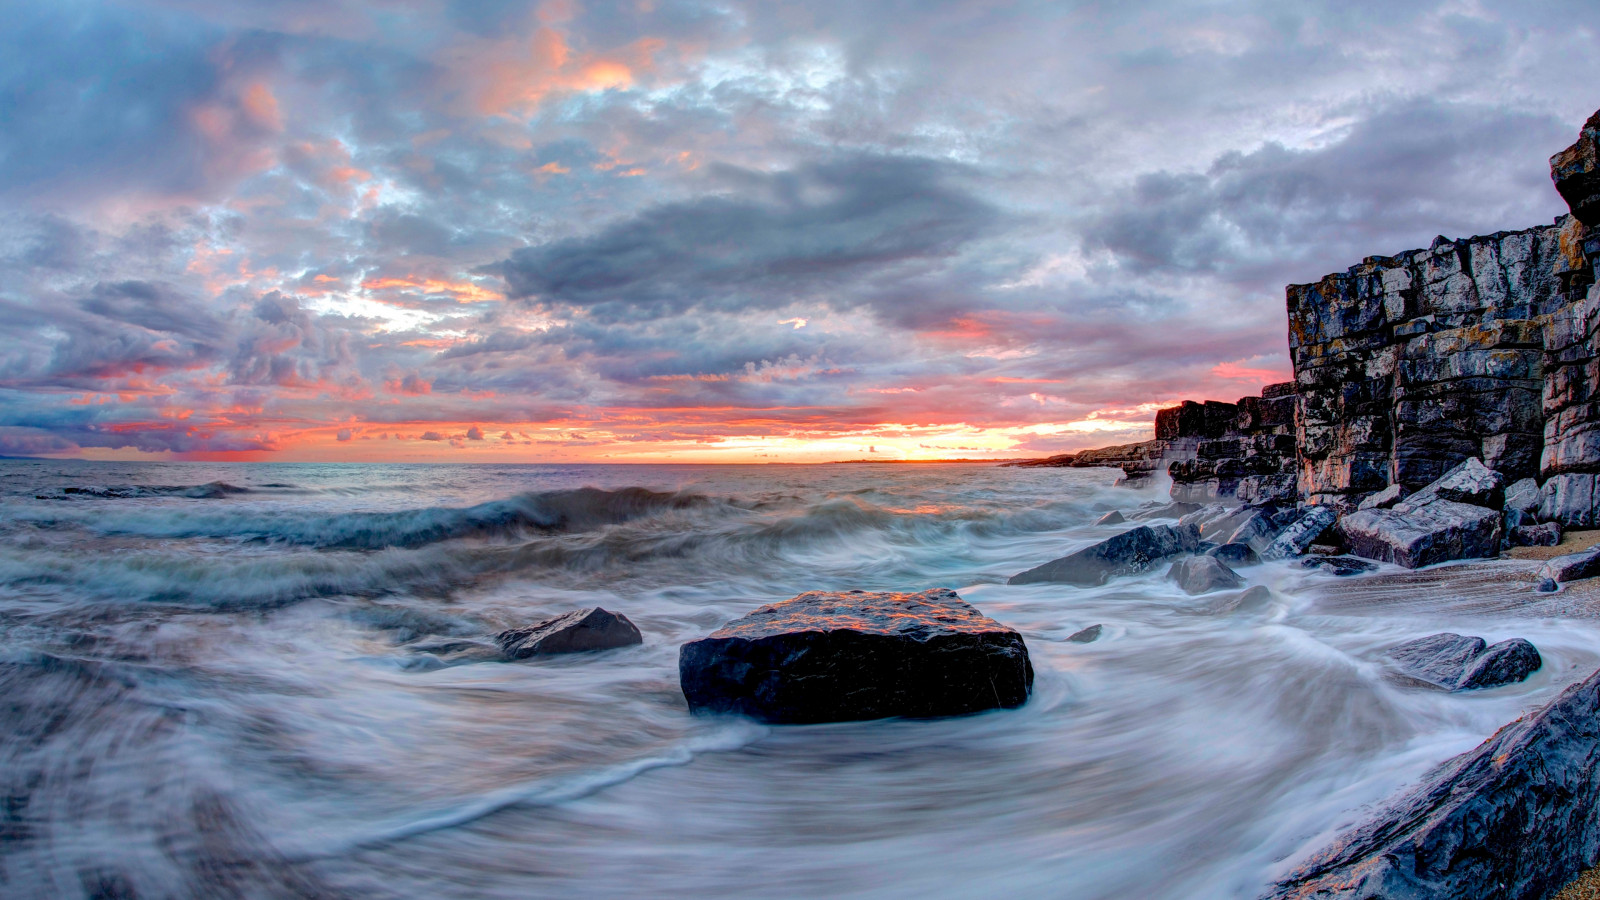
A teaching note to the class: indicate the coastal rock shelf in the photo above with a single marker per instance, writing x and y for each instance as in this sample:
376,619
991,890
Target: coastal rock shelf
831,657
1517,818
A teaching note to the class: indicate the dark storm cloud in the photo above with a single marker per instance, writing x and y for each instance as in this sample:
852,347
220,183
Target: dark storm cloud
772,239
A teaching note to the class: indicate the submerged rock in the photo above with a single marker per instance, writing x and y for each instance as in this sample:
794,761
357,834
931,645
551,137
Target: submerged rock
1515,819
574,632
1458,663
1086,636
830,657
1174,510
1126,554
1115,517
1432,533
1236,555
1203,574
1300,533
1343,566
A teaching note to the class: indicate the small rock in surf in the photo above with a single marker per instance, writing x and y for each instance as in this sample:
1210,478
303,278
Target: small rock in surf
1086,636
575,632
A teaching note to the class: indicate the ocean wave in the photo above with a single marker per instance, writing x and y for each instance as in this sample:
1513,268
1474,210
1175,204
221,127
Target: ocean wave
213,490
564,511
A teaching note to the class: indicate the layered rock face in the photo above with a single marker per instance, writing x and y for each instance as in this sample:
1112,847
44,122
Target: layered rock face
1482,347
1244,450
1408,365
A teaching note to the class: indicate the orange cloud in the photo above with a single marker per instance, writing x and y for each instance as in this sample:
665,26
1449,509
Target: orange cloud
261,107
460,291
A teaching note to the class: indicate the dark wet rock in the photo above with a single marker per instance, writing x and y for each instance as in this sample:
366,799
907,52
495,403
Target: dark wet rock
829,657
1298,534
1115,517
1517,818
1239,555
1254,599
1546,535
1507,662
1223,527
1205,515
1086,636
1435,532
1439,659
1547,586
575,632
1569,498
1384,499
1203,574
1342,566
1458,663
1126,554
1257,530
1468,482
1173,510
1524,497
1572,567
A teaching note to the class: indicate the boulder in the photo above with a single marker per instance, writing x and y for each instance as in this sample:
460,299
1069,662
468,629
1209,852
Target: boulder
1469,482
1569,499
1435,532
828,657
1256,530
1546,535
1504,663
575,632
1343,566
1203,574
1206,515
1458,663
1298,534
1236,555
1222,528
1086,636
1126,554
1438,659
1572,567
1173,510
1517,818
1524,497
1384,499
1115,517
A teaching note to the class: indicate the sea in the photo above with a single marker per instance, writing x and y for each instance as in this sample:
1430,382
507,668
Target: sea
280,680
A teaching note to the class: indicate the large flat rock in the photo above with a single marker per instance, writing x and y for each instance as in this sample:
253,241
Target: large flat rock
1435,532
1514,819
830,657
1128,553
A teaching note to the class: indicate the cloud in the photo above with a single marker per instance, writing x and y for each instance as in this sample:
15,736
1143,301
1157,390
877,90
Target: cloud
769,240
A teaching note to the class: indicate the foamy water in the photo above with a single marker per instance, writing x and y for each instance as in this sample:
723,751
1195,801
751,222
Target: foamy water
279,680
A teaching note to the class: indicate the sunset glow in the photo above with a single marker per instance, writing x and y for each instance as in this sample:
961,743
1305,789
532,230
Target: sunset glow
661,232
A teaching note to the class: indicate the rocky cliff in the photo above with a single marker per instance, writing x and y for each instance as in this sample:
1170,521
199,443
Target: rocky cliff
1480,347
1408,365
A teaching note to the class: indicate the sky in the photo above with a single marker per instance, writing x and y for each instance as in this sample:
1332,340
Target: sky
673,231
